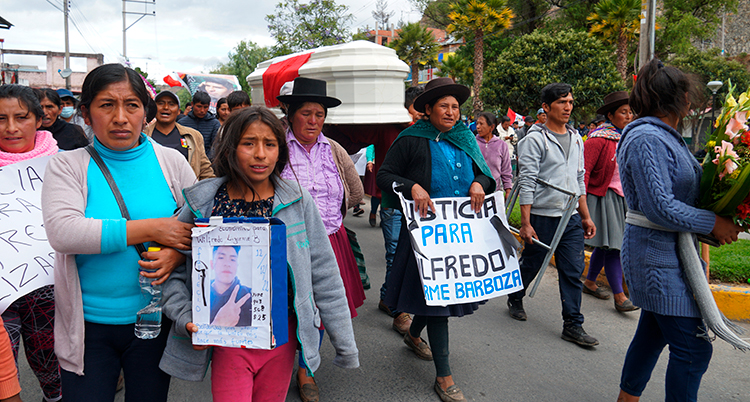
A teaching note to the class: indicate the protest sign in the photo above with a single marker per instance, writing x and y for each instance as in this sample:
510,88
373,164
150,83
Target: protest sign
239,282
463,256
26,258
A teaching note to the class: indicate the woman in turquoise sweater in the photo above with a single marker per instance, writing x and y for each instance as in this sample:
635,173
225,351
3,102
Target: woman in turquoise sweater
96,263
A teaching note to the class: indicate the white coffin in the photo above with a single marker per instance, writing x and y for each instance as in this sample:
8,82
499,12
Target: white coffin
367,78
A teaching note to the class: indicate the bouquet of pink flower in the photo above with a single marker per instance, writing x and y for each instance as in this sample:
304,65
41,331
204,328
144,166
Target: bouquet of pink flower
725,185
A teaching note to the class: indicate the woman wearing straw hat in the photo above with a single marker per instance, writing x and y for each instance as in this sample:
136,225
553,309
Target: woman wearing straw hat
606,201
435,157
324,168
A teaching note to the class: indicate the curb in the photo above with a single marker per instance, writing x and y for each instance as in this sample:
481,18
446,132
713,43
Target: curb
733,301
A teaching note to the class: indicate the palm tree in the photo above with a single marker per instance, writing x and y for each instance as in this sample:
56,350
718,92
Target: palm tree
617,22
415,45
457,68
478,18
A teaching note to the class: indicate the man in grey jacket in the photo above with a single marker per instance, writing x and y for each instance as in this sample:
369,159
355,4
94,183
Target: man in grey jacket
553,152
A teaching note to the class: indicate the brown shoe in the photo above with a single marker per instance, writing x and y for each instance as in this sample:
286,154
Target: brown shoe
384,308
421,349
401,323
308,392
599,293
452,394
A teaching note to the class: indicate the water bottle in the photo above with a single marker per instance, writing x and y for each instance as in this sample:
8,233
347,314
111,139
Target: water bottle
148,321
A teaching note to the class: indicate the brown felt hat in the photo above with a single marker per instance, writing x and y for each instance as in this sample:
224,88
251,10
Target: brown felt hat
613,101
439,87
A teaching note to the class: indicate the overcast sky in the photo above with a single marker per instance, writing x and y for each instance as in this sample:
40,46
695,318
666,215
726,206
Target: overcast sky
184,36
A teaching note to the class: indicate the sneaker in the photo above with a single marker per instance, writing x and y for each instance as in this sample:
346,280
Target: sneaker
515,309
358,211
401,323
577,335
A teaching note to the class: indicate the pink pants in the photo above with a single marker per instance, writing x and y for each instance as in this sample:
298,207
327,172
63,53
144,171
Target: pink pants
253,375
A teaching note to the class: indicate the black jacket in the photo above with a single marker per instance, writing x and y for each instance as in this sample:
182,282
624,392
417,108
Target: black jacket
68,136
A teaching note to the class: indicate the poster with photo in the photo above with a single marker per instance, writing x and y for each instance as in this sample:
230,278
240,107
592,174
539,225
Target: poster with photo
232,282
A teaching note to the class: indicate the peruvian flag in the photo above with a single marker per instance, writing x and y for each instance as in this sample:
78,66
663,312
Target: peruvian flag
279,73
515,116
176,80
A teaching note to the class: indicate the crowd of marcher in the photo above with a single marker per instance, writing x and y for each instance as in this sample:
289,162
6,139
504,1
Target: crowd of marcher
119,181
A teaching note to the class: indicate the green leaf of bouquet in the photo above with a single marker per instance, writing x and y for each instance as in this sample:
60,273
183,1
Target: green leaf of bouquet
727,205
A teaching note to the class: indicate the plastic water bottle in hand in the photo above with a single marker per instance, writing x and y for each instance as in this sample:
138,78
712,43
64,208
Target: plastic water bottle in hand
148,321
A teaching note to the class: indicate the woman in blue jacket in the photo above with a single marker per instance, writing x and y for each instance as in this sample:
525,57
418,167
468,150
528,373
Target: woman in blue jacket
660,179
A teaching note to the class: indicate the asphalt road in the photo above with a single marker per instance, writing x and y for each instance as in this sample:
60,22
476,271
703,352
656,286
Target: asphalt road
493,357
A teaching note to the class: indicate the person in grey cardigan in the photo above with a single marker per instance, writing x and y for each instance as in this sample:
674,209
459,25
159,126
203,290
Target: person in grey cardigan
553,153
318,293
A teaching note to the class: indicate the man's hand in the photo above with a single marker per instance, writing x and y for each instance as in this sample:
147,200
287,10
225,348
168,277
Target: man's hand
589,230
528,233
229,314
192,328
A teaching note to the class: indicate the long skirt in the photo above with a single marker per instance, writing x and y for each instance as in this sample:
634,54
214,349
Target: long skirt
608,214
355,294
404,288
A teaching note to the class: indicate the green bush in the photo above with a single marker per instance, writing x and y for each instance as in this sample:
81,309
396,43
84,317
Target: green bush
515,216
731,263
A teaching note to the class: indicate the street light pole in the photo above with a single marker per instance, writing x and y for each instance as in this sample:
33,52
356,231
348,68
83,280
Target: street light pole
67,45
714,86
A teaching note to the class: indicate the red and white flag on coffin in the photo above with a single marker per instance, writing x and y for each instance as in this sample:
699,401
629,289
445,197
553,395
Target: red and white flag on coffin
515,116
279,73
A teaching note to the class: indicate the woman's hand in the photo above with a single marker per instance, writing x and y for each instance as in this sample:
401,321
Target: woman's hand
192,328
370,165
476,192
422,201
163,263
173,233
725,231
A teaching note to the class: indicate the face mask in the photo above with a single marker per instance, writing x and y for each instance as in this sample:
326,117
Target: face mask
67,111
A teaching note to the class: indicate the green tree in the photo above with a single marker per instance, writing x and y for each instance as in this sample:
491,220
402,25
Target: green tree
529,15
709,66
184,96
518,75
298,27
569,14
145,75
457,68
434,12
416,46
684,22
478,18
242,61
617,22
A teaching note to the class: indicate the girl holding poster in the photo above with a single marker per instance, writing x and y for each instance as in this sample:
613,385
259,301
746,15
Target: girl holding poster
31,315
249,159
436,157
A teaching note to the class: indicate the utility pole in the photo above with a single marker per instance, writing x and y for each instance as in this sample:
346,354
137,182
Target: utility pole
648,31
125,27
67,44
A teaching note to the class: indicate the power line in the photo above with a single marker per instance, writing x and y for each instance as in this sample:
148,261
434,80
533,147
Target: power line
59,8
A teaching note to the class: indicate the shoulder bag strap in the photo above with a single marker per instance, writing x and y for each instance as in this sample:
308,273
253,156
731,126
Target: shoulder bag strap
140,247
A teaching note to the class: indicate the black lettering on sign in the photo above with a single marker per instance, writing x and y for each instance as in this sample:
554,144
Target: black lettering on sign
11,285
25,267
43,264
30,233
4,209
33,176
26,204
7,237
